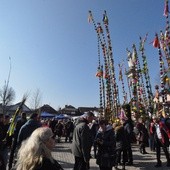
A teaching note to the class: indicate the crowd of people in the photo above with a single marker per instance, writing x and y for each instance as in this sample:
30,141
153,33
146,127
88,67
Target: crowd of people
34,137
111,141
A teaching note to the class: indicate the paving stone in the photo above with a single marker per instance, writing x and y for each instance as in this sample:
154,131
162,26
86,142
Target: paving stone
63,154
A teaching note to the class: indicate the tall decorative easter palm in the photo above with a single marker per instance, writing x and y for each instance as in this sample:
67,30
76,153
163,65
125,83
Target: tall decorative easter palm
110,85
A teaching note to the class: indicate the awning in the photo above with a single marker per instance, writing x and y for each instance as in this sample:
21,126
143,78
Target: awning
46,114
62,116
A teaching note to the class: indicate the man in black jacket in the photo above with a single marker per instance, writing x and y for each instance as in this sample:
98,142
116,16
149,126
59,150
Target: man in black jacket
2,145
128,127
82,142
27,129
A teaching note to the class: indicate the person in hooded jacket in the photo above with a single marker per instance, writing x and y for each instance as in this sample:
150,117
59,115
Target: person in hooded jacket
27,129
128,127
143,136
121,144
105,141
82,142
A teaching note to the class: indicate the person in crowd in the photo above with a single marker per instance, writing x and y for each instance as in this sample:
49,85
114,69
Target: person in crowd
105,141
82,142
167,123
69,127
45,122
94,129
151,135
143,136
161,140
8,139
19,124
35,152
147,120
128,127
5,139
1,119
2,144
121,144
59,130
27,129
52,124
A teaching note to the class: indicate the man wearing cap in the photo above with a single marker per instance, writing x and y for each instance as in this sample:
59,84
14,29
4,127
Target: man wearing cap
82,142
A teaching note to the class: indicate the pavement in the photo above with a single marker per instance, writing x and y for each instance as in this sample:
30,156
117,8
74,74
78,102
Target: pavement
63,155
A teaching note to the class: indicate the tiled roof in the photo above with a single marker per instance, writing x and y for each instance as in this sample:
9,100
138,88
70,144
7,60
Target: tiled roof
47,108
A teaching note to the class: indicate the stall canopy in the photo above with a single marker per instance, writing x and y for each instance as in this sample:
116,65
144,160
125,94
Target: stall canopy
62,116
46,114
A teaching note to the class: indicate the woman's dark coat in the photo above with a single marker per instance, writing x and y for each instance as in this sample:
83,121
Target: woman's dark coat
121,138
108,145
143,135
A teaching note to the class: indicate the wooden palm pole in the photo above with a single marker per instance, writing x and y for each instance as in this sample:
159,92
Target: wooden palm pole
128,83
133,77
145,70
113,84
99,74
109,72
121,79
167,33
156,44
101,39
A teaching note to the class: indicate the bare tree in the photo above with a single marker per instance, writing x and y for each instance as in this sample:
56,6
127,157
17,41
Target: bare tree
36,99
7,94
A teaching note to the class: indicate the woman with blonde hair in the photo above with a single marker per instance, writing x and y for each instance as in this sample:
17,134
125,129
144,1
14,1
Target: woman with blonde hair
35,152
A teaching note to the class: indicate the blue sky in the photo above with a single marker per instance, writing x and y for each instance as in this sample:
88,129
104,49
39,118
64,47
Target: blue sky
53,48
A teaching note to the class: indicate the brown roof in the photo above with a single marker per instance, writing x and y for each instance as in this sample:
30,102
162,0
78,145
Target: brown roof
47,108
